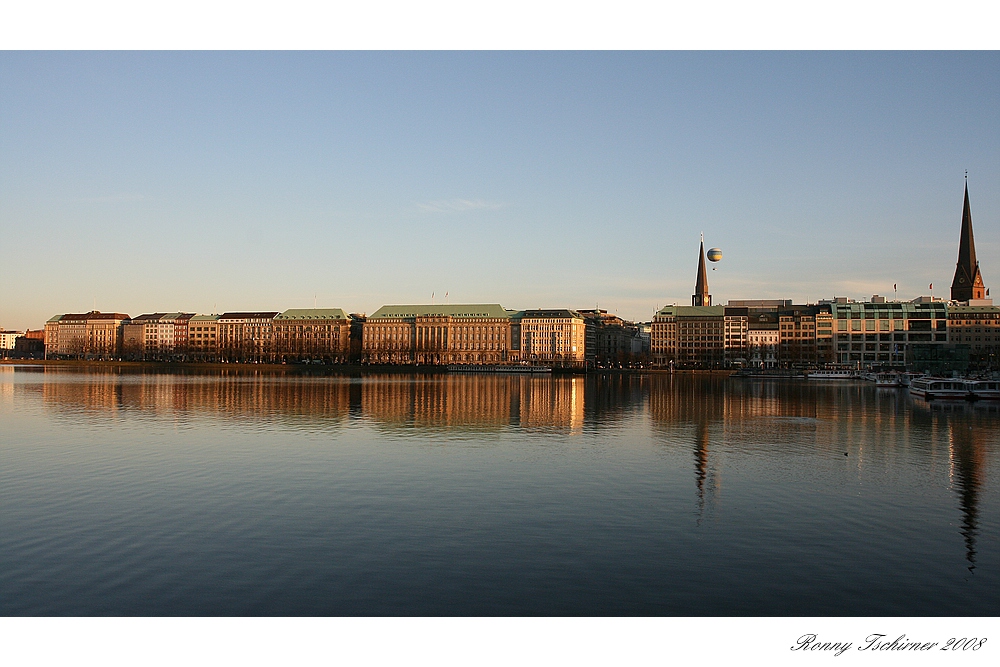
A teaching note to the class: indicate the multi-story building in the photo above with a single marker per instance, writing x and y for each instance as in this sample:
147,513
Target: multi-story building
611,340
203,337
156,335
978,327
554,336
312,333
883,333
805,335
701,336
8,339
246,336
438,334
663,337
93,335
763,337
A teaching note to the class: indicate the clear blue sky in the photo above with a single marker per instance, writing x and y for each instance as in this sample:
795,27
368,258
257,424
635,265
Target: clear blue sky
235,181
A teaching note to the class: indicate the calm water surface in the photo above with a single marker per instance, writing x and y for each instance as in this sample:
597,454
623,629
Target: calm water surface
235,494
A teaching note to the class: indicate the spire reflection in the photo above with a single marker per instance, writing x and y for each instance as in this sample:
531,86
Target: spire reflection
967,449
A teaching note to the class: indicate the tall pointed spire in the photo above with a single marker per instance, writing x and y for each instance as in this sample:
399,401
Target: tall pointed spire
968,282
701,296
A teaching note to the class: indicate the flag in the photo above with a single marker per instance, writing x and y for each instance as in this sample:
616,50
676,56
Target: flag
932,285
894,287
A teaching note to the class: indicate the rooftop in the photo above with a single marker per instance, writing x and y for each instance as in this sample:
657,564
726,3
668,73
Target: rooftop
313,314
492,310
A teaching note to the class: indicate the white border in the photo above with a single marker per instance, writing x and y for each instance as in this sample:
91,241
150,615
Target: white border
497,24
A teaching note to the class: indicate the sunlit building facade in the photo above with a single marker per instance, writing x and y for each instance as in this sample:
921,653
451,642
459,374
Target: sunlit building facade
246,336
93,335
437,334
312,333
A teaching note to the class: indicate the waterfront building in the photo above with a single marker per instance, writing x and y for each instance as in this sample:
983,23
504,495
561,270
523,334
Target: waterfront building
203,337
968,281
312,333
246,336
700,336
555,337
31,345
883,333
977,327
93,335
438,334
609,339
663,337
763,337
156,335
805,335
8,339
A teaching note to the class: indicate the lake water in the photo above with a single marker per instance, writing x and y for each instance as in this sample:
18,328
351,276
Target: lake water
155,493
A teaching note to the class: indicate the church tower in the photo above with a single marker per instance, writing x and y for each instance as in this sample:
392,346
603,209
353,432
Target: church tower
968,282
701,296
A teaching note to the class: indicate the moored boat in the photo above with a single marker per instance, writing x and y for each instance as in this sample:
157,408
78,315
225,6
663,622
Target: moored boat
839,374
930,388
888,380
983,389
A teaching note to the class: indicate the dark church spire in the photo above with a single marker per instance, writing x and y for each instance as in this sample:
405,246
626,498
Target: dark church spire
968,282
701,296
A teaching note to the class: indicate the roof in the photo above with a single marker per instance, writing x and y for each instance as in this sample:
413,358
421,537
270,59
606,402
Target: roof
92,315
266,315
973,309
493,310
205,318
551,312
151,317
313,314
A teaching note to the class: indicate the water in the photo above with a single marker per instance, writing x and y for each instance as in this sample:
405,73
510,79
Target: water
277,494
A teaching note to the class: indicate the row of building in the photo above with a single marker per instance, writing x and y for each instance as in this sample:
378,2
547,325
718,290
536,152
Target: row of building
924,333
479,334
750,333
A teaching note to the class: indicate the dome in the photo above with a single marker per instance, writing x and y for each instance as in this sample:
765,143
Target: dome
714,255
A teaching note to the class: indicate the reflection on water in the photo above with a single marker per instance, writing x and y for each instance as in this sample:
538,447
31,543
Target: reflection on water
281,493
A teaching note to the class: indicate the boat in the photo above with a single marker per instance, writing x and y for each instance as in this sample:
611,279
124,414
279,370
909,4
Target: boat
497,368
889,380
930,388
983,389
840,374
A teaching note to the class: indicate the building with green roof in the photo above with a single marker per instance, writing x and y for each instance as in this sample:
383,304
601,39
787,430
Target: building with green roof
438,334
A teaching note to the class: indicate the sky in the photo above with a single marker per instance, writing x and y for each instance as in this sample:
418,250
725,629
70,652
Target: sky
218,181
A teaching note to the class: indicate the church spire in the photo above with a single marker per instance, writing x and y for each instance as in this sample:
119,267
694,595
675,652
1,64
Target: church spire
701,296
968,282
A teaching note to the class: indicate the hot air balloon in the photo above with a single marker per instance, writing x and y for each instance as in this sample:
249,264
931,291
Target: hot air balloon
714,255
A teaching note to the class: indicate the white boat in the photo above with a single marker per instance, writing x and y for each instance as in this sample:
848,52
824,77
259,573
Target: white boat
983,389
888,380
930,388
834,375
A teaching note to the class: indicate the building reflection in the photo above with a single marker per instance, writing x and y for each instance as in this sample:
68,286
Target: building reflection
439,400
226,396
476,401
